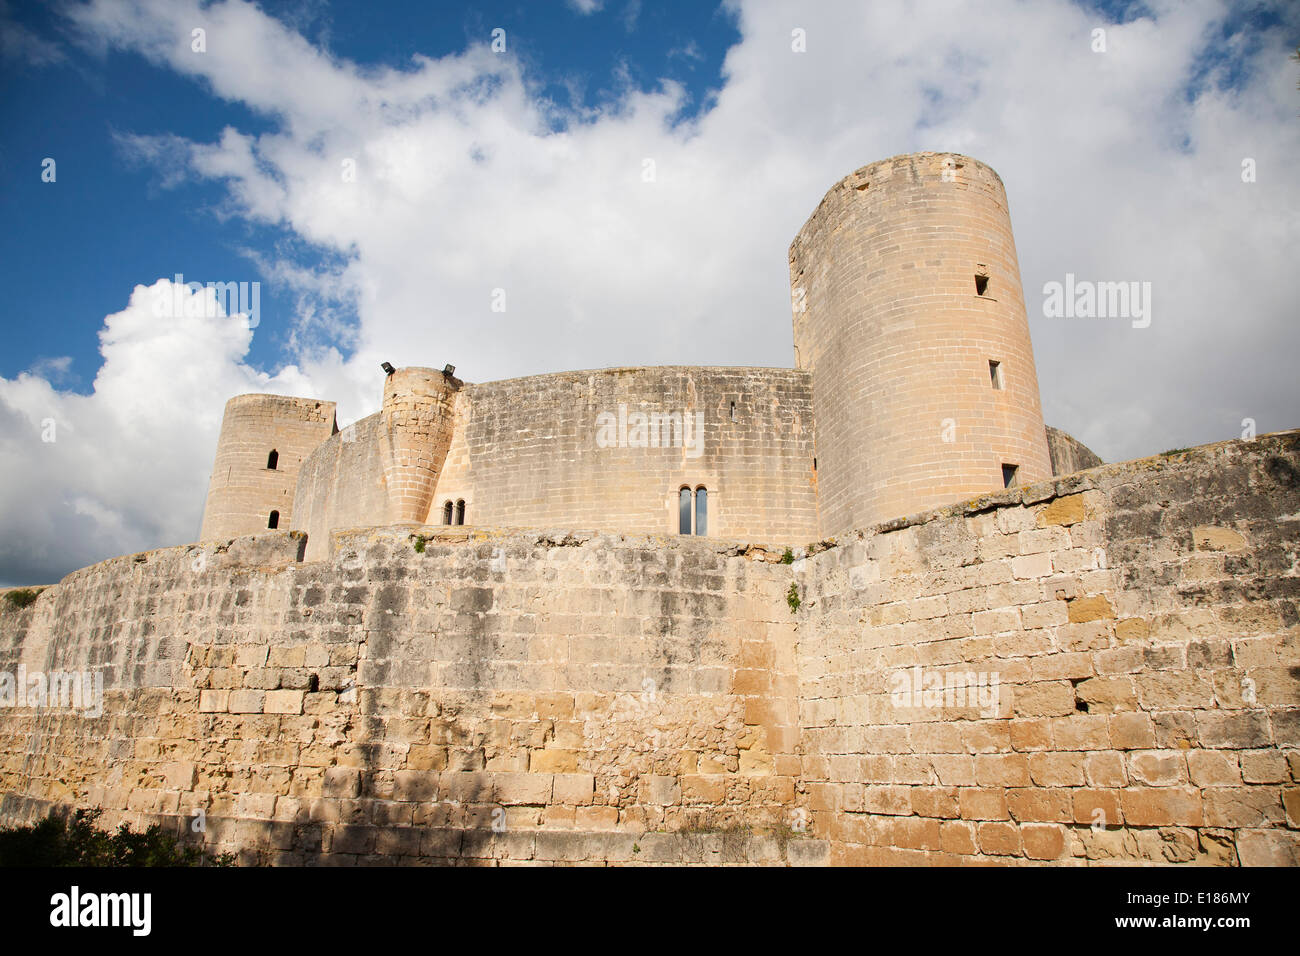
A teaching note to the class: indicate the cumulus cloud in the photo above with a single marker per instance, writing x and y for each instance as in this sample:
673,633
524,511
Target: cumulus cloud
125,467
633,234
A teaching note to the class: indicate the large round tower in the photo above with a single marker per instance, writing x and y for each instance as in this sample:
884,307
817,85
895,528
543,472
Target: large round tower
264,440
908,313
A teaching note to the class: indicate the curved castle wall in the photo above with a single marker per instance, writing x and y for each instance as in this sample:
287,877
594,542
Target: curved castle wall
910,332
561,696
1068,453
898,335
243,490
343,484
382,469
585,697
566,450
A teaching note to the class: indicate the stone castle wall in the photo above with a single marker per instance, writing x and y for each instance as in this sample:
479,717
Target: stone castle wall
344,483
531,452
488,697
382,469
1068,453
528,452
470,696
1142,620
906,287
897,334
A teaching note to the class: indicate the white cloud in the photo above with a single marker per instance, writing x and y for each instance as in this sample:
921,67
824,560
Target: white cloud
125,467
689,51
630,14
585,7
463,187
54,370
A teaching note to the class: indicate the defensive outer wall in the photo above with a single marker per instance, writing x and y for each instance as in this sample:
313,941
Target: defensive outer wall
465,696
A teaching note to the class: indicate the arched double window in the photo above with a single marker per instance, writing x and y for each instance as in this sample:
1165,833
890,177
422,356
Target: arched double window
693,519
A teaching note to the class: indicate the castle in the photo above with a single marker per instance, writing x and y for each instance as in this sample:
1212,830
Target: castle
868,610
914,387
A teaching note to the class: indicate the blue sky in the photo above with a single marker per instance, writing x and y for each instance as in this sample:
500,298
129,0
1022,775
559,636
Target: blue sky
110,217
523,171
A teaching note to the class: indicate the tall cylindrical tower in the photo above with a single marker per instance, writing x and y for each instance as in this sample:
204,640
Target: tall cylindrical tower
908,313
418,415
264,441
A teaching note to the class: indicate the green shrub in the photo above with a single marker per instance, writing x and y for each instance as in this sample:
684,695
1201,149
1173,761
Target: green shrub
788,557
792,597
419,544
75,841
22,597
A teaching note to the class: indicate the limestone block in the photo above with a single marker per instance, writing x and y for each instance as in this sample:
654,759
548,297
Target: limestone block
247,701
283,702
553,761
214,701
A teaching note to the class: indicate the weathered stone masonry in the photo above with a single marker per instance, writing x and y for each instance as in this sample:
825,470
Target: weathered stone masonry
594,698
523,453
1143,620
915,387
458,696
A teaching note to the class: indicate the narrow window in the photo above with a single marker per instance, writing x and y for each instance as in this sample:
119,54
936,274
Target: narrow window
1009,475
981,284
733,411
272,460
684,511
995,373
460,511
274,520
701,510
446,512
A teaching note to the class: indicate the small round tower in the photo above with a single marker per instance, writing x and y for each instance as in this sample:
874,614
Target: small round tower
263,443
418,412
909,315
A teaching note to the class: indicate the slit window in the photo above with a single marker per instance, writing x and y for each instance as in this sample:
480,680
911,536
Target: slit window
733,411
274,520
272,460
1009,475
446,512
995,374
981,284
460,511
